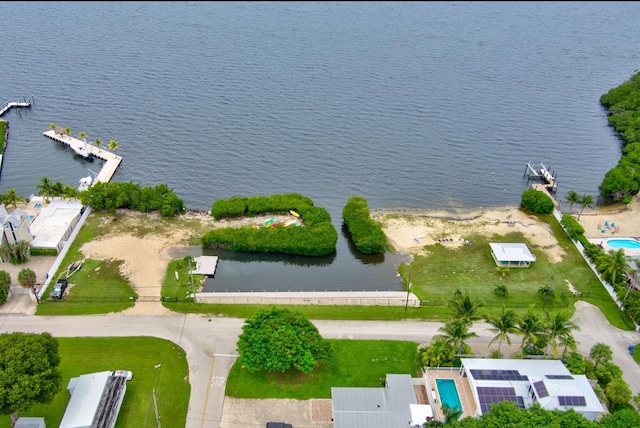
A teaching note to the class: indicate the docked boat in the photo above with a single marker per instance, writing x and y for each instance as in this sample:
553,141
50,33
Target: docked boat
85,183
82,152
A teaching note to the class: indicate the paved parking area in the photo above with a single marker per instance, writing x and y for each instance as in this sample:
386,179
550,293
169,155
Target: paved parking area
315,413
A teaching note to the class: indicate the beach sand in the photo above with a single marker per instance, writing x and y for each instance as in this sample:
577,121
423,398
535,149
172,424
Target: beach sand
146,258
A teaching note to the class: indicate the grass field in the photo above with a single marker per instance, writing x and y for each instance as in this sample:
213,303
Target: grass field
136,354
356,363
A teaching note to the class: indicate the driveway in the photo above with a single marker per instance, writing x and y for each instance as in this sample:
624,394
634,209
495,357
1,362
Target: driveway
210,344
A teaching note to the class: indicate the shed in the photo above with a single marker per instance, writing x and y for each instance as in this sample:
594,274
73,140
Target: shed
30,423
511,254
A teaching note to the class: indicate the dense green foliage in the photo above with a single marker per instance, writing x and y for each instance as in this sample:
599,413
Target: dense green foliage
28,370
623,104
366,234
537,202
571,225
17,252
254,205
317,237
3,135
278,340
113,195
44,251
5,283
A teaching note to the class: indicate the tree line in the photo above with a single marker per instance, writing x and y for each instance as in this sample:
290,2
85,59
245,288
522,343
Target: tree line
367,235
623,106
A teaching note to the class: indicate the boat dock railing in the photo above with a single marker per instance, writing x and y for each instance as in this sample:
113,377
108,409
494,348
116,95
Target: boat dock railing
8,106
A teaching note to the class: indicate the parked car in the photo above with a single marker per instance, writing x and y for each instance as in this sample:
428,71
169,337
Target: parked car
59,288
278,425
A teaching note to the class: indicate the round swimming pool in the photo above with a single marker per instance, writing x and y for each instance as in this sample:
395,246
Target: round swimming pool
623,243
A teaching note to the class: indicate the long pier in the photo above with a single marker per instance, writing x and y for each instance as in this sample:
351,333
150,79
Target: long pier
112,160
8,106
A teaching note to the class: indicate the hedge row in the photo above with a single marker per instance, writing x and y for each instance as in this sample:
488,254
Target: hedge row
113,195
317,237
366,234
254,205
571,225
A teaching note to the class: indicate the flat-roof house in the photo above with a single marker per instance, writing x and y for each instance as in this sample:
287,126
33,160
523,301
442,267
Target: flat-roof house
15,225
54,224
395,405
511,255
30,423
95,400
525,382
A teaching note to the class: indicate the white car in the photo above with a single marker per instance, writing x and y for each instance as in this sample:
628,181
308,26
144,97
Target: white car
123,373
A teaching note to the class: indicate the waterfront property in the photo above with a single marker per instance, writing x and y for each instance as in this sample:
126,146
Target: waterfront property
511,255
53,222
630,246
400,403
15,225
525,382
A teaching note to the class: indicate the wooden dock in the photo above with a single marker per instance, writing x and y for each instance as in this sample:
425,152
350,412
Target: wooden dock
8,106
112,161
543,174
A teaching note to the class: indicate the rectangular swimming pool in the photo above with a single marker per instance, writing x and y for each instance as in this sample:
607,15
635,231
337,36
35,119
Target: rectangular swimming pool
448,393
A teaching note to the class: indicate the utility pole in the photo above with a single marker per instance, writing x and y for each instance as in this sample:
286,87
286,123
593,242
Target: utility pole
406,305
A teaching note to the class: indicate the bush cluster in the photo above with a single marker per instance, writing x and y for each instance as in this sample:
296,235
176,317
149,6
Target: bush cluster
571,225
366,234
537,202
113,195
623,104
317,237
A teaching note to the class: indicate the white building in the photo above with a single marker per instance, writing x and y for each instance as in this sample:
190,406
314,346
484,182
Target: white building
511,255
95,400
526,382
15,225
54,223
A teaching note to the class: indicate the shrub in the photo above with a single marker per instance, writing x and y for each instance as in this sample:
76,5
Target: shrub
571,225
537,202
366,234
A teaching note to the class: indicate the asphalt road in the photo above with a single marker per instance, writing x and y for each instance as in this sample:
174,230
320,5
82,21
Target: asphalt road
210,343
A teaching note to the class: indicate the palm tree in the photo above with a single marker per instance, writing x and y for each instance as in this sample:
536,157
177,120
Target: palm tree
600,353
45,188
98,142
569,343
613,265
454,334
503,324
558,327
502,270
572,198
67,131
547,294
52,126
531,328
83,137
586,201
501,290
113,145
69,192
12,198
466,308
27,279
58,188
451,414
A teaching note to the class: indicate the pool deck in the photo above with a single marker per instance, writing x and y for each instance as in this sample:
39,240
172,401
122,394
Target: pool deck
462,385
631,252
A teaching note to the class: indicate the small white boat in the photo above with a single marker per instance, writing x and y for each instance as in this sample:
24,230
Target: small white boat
85,183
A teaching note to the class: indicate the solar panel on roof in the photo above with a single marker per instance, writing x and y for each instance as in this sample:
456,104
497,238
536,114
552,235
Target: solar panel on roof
497,375
541,389
571,400
488,395
558,376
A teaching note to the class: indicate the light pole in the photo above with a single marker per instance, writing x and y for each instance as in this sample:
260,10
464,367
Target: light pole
406,305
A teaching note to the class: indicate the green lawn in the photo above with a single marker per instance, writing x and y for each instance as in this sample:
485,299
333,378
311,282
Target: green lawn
137,354
356,363
471,268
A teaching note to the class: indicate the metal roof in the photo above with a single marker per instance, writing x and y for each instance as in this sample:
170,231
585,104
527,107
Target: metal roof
512,252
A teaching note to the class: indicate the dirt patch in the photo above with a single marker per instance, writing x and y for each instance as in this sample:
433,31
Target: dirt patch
313,413
410,230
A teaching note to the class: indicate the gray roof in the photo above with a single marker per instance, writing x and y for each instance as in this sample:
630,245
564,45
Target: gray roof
30,423
375,407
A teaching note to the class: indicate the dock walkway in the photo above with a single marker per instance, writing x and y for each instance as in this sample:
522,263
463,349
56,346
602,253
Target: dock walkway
112,161
8,106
